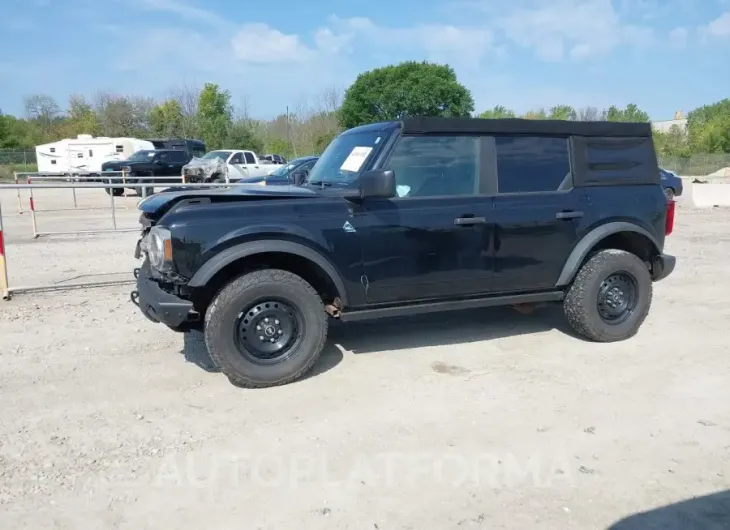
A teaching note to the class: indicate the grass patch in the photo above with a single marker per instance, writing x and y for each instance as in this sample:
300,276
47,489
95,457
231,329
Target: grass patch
7,170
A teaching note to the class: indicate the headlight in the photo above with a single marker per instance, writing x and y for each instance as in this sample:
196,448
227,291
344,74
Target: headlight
159,248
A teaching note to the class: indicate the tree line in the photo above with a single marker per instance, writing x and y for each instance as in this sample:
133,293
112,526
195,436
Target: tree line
406,89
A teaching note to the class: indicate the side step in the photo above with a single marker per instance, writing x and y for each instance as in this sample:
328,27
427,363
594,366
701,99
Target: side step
450,305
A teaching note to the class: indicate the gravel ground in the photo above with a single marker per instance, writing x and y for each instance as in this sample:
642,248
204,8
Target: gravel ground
483,419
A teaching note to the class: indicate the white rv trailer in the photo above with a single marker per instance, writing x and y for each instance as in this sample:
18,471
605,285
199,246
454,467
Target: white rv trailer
85,153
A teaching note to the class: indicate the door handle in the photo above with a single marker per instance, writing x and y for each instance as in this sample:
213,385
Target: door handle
570,214
466,221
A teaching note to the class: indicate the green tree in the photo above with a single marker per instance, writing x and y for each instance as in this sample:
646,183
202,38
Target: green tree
631,113
497,112
709,128
539,114
407,89
241,136
81,117
166,119
673,143
562,112
214,115
279,146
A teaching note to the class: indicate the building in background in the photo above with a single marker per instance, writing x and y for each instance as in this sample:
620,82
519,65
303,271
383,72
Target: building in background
665,125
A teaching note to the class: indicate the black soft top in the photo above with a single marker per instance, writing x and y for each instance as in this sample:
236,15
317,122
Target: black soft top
423,125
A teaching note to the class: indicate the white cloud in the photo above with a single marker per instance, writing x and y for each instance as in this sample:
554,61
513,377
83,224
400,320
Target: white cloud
181,9
720,27
261,44
465,44
584,27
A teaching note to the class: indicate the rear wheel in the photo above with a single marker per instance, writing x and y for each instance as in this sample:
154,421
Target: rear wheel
610,296
266,328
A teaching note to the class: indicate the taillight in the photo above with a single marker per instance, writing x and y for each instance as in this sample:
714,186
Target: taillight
669,225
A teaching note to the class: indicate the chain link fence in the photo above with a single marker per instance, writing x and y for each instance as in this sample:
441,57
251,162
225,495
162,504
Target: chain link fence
717,165
20,160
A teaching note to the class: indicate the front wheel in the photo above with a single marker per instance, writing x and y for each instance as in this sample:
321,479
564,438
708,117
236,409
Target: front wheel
266,328
610,296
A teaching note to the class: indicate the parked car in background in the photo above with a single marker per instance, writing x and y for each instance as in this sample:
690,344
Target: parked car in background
142,168
193,147
671,183
294,173
227,164
274,159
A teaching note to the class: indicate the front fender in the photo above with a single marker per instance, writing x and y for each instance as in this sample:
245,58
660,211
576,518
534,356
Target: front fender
243,250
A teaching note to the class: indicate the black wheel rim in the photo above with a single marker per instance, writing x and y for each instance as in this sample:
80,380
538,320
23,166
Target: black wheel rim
617,298
269,330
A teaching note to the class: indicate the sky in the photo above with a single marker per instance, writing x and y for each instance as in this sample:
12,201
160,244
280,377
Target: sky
663,55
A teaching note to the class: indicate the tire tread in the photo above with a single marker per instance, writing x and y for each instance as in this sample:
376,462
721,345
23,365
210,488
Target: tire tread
580,309
227,294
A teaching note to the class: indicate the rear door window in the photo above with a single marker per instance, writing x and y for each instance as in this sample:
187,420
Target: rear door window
250,159
530,164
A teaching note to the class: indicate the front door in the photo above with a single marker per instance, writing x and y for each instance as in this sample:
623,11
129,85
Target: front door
432,241
537,214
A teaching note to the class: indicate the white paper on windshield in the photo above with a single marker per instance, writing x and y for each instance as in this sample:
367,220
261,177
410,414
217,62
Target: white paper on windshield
356,159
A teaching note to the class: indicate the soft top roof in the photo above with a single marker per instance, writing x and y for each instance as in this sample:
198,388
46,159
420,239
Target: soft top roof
424,125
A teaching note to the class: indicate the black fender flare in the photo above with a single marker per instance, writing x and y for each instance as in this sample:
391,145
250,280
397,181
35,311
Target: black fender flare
243,250
584,246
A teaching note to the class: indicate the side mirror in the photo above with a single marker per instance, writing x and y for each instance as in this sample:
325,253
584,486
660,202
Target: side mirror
377,184
298,177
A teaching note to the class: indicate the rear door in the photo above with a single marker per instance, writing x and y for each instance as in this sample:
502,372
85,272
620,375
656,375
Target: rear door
538,214
432,241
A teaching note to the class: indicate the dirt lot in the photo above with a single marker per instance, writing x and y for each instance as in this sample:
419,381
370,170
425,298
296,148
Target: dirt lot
483,419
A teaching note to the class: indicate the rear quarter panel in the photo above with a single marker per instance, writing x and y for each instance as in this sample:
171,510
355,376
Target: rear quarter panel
643,205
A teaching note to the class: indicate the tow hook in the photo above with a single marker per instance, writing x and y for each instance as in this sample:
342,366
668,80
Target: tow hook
134,297
136,272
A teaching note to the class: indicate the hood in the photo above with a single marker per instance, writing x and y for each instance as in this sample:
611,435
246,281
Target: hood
156,205
119,163
206,166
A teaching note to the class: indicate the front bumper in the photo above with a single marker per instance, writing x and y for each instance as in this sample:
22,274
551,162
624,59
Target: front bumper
662,266
158,305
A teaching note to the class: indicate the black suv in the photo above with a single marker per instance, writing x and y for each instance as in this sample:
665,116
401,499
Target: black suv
406,217
143,168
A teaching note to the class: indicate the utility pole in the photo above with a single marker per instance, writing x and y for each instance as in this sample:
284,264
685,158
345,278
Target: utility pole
288,138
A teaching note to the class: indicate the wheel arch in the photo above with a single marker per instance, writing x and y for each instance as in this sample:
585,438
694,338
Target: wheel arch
618,235
287,255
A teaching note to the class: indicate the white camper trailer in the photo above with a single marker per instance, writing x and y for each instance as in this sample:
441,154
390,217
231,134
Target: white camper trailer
85,154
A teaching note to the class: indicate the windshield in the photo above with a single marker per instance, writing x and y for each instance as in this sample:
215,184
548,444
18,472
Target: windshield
341,162
288,168
141,156
223,155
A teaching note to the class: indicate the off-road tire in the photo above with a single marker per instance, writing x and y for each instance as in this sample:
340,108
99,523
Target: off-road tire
580,304
232,299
